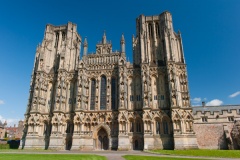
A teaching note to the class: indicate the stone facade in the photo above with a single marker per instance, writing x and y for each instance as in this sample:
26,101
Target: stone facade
101,101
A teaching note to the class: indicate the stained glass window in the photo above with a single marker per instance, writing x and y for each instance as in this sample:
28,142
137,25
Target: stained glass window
113,86
93,94
103,93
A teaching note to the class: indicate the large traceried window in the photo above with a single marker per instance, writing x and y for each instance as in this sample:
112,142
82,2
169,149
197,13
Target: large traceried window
113,92
93,94
103,97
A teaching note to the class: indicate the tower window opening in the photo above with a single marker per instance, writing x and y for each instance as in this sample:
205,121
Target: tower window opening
157,30
131,98
162,97
57,38
138,98
63,36
150,30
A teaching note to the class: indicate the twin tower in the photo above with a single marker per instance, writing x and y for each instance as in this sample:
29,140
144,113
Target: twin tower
103,102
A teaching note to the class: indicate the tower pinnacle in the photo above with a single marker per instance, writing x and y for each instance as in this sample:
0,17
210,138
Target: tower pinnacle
104,38
85,46
122,43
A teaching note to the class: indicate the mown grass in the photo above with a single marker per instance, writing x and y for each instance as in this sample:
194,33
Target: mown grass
130,157
51,157
203,153
27,150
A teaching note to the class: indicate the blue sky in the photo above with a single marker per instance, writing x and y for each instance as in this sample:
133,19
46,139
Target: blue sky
210,31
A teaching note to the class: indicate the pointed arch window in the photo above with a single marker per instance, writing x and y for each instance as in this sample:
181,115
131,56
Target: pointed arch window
157,127
165,127
57,38
93,94
113,92
63,36
157,30
138,126
103,93
150,30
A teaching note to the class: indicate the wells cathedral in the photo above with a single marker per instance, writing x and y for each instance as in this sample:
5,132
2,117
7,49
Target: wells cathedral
102,102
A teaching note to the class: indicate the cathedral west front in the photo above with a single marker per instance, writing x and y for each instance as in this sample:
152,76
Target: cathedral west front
101,101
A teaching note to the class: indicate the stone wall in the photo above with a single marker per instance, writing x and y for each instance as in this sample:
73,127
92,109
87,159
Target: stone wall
210,136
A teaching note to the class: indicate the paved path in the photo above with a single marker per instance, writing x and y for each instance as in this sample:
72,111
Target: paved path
111,155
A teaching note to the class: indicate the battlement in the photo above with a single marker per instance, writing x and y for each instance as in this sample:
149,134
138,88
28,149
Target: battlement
216,109
216,114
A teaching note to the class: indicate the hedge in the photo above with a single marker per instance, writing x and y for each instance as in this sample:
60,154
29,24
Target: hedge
14,144
4,146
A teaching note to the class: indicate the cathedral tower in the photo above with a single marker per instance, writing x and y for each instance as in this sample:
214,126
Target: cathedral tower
158,52
52,90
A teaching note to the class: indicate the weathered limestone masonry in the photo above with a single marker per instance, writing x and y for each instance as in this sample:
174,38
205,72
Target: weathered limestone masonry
214,125
101,101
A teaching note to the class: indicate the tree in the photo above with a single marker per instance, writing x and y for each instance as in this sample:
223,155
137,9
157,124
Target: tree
235,134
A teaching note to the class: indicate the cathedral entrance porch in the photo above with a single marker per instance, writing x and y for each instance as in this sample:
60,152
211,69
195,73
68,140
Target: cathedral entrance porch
103,141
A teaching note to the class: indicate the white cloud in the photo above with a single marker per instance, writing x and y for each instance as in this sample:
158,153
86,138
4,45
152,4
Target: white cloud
1,102
214,102
234,94
196,100
10,121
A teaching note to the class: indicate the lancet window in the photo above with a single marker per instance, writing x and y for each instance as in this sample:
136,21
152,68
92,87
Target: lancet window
63,36
57,38
158,127
150,30
165,127
157,30
113,86
103,93
138,126
93,94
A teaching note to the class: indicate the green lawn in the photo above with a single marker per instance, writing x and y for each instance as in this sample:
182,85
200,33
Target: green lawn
206,153
50,157
130,157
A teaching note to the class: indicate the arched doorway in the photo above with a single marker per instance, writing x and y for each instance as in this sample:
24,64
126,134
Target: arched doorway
69,134
103,141
136,145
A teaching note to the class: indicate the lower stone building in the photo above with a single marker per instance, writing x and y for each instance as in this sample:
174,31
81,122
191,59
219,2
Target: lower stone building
214,125
15,132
